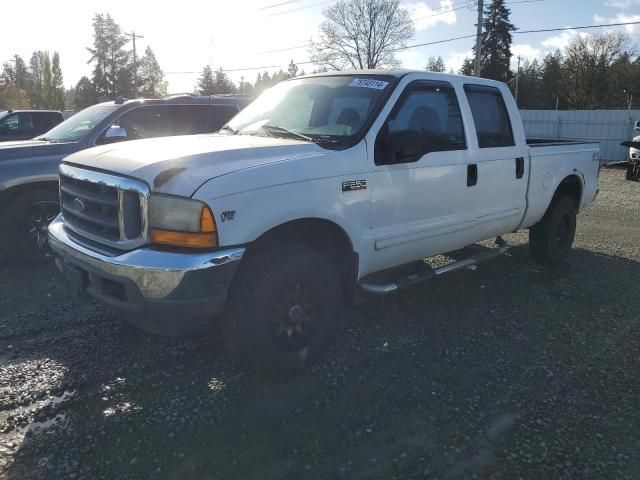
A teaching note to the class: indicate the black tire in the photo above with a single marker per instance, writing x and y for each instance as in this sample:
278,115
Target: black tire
26,219
551,239
633,171
283,310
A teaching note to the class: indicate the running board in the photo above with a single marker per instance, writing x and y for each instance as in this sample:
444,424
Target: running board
428,273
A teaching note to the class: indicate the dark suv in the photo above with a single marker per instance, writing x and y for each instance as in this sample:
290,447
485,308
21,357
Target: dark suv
29,169
26,124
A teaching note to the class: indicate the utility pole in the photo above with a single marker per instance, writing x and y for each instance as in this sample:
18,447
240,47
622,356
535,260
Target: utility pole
241,85
517,80
135,62
476,69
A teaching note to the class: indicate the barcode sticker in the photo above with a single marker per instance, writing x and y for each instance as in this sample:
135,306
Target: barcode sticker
368,83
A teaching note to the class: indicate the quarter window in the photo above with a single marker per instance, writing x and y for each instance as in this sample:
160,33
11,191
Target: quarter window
490,116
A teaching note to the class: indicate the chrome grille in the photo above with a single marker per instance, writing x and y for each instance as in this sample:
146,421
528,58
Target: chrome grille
104,208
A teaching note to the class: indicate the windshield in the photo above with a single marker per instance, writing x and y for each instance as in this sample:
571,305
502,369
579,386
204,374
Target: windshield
76,127
313,108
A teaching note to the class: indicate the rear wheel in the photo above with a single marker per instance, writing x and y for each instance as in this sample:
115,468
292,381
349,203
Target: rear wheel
633,170
551,239
27,218
284,309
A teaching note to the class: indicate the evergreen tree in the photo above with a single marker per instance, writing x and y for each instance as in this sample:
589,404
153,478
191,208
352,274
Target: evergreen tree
35,72
551,79
47,80
150,76
108,54
222,83
85,94
206,82
467,67
530,85
57,83
435,64
292,70
495,58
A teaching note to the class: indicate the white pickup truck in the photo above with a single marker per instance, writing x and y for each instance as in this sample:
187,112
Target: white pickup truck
273,222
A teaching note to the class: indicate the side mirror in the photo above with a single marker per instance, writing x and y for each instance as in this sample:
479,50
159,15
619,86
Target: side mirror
115,134
405,144
637,125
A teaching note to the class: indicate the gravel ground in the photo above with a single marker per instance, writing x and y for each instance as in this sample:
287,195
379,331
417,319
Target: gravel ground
505,372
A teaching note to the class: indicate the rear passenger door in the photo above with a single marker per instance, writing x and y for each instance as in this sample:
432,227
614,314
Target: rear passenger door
498,173
188,119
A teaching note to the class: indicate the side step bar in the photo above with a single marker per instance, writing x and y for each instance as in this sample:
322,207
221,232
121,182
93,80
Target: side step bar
430,273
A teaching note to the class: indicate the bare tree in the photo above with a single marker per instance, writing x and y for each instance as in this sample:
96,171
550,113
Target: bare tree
362,34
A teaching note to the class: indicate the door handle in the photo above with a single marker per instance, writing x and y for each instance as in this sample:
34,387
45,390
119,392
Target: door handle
519,167
472,174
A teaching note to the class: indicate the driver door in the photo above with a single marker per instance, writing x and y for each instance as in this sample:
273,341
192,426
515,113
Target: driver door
419,189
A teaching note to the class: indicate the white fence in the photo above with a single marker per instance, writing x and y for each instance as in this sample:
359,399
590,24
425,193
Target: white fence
609,127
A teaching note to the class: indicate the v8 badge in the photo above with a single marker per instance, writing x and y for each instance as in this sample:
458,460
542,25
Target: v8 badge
227,215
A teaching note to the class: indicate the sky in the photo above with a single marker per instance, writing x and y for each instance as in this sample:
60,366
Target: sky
240,34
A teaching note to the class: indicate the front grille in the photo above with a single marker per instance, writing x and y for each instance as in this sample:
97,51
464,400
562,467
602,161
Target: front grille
104,208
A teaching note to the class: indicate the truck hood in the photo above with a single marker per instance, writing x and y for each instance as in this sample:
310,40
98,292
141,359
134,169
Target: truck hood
179,165
34,148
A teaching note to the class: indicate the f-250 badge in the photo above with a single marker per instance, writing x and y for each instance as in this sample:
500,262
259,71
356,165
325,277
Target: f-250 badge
352,185
228,215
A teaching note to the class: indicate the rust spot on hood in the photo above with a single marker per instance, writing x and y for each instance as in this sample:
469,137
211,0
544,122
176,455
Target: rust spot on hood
163,177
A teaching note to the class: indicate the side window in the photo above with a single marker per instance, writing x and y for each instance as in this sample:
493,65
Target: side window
10,122
25,122
426,119
490,116
141,122
188,119
219,115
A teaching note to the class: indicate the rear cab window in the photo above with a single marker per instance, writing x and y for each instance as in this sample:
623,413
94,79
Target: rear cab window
490,115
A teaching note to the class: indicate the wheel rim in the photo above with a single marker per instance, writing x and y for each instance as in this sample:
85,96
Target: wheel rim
37,218
563,232
293,322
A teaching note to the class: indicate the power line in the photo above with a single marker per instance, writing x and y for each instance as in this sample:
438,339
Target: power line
456,8
299,8
446,40
274,5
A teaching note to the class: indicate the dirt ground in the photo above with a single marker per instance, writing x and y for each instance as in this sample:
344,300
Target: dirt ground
509,371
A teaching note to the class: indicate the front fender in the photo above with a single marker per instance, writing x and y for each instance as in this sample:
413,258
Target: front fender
244,217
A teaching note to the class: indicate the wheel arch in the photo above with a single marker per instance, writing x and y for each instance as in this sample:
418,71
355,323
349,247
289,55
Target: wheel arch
322,235
16,190
572,186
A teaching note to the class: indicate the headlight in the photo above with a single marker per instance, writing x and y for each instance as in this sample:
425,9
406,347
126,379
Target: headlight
181,222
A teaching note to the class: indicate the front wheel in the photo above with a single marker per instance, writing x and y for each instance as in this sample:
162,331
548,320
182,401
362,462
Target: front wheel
551,239
27,218
284,309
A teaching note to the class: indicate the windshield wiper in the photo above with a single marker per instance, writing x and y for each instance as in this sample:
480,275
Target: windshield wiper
275,128
231,129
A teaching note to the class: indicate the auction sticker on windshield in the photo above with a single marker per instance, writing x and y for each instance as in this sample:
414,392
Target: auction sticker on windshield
368,83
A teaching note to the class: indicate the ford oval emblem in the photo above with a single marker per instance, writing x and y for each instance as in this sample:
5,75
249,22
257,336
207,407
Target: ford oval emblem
79,204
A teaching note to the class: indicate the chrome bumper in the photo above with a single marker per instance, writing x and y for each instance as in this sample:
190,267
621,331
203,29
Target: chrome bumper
166,286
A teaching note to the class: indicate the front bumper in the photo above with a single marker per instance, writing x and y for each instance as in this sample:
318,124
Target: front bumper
160,291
